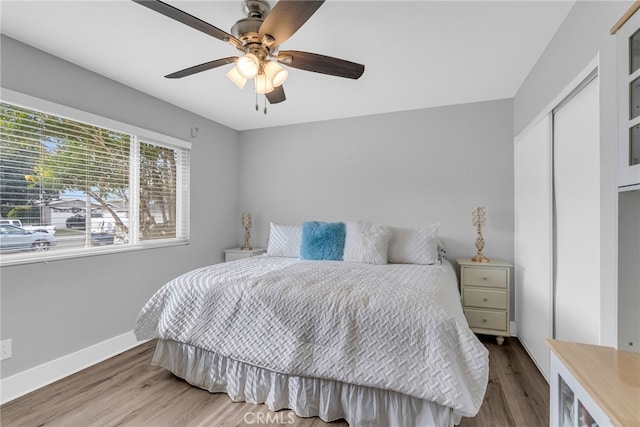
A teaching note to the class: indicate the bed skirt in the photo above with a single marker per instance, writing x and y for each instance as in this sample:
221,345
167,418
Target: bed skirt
307,397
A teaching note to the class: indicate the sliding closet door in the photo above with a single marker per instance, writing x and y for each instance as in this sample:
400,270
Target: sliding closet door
576,181
533,240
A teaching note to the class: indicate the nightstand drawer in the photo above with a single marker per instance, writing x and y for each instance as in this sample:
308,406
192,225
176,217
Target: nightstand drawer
485,298
489,277
482,319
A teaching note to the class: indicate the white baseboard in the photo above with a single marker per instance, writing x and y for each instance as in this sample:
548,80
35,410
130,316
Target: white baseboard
32,379
535,362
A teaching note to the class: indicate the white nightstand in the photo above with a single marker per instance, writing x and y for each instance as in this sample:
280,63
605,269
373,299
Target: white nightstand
237,253
485,296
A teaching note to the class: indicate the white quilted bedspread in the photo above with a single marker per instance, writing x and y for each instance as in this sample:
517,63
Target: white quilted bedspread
396,327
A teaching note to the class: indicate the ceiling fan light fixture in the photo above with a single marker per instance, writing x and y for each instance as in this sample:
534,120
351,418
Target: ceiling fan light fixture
275,73
263,84
235,76
258,37
248,65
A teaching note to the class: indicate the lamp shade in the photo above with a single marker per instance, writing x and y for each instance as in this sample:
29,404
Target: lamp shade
246,219
478,216
234,76
263,84
275,73
248,65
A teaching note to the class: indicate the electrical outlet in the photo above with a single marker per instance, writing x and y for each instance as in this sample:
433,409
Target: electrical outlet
6,349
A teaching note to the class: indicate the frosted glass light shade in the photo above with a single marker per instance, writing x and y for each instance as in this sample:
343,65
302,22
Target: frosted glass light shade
248,65
263,84
275,73
234,76
478,216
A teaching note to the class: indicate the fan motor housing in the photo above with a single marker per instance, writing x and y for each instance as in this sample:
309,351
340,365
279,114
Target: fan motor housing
247,29
255,11
246,26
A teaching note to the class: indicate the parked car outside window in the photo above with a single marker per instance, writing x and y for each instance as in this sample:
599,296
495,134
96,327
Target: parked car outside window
43,229
78,221
14,238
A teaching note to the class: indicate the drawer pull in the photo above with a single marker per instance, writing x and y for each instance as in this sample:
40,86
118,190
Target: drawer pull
484,278
484,299
484,320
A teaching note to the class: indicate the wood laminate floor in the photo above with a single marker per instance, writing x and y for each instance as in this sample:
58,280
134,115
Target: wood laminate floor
127,391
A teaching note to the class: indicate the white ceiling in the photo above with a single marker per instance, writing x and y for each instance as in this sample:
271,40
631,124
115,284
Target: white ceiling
417,54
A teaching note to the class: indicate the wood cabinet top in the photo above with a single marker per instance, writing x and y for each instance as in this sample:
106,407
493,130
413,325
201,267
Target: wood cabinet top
611,377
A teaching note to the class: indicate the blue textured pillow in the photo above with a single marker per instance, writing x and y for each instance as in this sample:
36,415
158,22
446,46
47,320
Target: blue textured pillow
322,241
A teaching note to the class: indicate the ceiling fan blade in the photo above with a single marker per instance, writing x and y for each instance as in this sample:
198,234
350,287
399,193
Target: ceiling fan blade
190,20
202,67
286,17
276,95
321,64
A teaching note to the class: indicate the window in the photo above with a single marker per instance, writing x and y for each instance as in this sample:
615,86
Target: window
68,187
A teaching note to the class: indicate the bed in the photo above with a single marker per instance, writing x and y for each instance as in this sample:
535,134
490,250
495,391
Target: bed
374,344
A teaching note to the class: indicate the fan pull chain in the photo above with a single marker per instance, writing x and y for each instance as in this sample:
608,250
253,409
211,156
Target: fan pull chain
265,104
257,108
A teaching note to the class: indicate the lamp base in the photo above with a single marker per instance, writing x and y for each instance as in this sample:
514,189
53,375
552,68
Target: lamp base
480,258
247,236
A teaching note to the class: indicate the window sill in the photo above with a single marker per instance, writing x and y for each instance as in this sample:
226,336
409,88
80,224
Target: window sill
12,259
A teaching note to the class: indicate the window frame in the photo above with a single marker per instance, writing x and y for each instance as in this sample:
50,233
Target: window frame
141,135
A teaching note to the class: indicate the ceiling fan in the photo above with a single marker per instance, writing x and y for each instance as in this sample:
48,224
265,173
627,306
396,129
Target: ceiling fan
258,37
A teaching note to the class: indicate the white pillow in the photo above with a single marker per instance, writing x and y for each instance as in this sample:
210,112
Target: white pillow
414,245
366,243
284,240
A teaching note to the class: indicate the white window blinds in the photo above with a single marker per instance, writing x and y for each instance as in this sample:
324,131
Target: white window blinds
88,187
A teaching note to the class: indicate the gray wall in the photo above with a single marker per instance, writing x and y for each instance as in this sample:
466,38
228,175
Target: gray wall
583,35
405,169
59,307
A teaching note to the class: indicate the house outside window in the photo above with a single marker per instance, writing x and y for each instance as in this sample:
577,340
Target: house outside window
75,187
